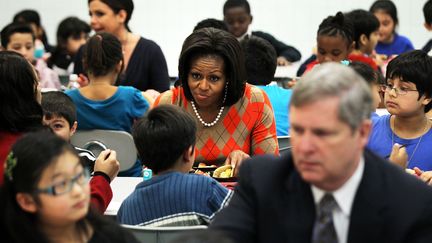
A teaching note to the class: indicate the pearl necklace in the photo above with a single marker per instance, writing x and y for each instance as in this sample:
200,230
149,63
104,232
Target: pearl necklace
415,148
218,115
202,121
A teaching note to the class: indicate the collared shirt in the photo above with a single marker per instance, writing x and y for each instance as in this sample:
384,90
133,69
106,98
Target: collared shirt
248,33
344,197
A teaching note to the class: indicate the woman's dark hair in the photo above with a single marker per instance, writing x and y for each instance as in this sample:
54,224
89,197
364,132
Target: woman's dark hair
337,25
28,159
117,5
208,42
20,110
163,135
102,53
364,23
260,58
387,7
29,16
416,67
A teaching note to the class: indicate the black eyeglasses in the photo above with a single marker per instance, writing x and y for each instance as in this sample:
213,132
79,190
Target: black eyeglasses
66,186
398,90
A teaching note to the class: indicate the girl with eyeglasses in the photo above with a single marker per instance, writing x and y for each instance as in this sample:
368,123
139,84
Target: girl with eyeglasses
46,196
405,136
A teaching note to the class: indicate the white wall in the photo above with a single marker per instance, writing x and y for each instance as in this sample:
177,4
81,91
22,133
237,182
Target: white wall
169,22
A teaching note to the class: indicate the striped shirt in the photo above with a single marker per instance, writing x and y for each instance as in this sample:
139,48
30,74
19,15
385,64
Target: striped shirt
174,199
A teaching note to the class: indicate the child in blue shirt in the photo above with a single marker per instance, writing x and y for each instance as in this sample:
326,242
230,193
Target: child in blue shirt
407,130
165,140
260,57
389,43
101,104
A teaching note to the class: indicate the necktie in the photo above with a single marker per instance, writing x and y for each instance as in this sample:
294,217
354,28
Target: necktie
324,230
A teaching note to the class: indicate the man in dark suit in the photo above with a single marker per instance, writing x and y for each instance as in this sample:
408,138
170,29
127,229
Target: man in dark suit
328,188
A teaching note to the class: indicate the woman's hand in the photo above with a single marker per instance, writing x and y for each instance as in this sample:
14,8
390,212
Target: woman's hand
235,158
399,155
152,93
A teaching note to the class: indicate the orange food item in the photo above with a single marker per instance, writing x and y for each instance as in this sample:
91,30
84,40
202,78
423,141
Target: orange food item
200,172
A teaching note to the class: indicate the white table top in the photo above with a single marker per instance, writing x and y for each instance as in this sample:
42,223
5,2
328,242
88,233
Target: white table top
289,71
122,187
382,111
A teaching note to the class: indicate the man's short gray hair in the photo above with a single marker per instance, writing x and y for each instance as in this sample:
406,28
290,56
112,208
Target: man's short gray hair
336,80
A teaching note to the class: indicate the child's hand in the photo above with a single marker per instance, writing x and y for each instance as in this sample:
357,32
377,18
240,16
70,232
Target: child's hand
379,59
291,83
425,176
282,61
399,155
107,163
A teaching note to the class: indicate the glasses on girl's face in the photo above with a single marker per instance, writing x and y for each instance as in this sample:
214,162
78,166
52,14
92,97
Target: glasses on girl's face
399,90
66,186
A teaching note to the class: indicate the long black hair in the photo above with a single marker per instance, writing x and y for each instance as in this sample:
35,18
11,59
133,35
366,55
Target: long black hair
117,5
28,159
20,110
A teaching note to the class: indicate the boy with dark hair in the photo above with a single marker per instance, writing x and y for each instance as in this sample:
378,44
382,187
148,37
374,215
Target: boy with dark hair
408,95
165,140
366,33
72,33
427,12
237,16
60,114
20,38
260,59
215,23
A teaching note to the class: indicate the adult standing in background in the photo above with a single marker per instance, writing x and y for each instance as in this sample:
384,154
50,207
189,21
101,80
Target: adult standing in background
329,189
235,120
144,63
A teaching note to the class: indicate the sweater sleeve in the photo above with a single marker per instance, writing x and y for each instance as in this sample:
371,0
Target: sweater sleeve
264,138
100,193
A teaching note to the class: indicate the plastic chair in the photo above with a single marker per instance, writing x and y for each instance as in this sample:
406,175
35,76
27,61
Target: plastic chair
284,143
98,140
149,234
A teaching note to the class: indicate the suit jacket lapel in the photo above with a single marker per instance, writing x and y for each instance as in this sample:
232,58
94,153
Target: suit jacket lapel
301,207
366,219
